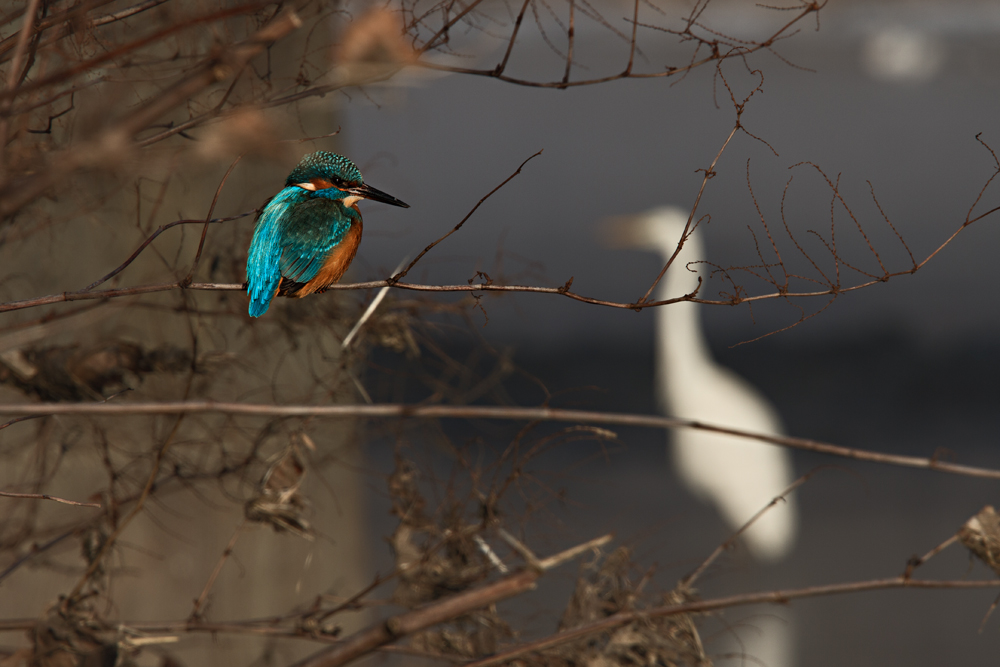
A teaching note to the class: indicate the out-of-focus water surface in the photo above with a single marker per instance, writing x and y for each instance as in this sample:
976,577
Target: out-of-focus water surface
896,95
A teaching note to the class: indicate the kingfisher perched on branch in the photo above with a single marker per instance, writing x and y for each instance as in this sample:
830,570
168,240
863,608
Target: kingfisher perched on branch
307,234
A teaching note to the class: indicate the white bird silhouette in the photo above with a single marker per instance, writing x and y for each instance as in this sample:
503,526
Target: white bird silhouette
738,475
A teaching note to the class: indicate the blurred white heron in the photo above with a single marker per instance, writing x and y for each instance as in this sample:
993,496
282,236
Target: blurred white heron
739,476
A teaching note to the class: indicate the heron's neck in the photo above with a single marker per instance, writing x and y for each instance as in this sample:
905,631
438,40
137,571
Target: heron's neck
681,344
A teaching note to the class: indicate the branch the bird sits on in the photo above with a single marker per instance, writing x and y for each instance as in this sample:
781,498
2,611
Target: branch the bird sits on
307,235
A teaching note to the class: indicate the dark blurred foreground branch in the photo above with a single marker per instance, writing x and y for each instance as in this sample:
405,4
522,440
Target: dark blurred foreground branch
774,597
401,411
121,134
377,636
402,625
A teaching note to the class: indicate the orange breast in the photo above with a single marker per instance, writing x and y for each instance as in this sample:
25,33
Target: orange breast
336,262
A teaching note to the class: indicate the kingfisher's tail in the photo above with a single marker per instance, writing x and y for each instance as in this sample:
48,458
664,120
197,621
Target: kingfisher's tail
266,248
261,295
259,306
263,274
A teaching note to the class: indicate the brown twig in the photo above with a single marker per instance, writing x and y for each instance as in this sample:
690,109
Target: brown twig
16,420
570,35
402,411
709,174
396,278
916,562
196,611
502,65
208,219
159,230
402,625
690,579
42,496
443,31
36,549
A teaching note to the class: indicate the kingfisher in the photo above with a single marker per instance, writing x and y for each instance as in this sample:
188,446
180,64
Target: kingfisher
306,236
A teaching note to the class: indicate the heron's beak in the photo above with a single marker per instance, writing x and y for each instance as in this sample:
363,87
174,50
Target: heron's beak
650,230
620,231
368,192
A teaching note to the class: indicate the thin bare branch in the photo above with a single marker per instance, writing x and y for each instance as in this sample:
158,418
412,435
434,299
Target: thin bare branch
396,278
200,602
208,218
690,579
42,496
402,411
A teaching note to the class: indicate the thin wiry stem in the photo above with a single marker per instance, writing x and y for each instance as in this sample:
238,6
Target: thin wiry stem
513,38
709,173
200,602
208,218
689,580
42,496
401,274
570,34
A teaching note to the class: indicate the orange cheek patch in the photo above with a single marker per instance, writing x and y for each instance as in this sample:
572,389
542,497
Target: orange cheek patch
321,183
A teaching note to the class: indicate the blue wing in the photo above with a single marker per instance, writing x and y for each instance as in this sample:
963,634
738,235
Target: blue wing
294,234
311,231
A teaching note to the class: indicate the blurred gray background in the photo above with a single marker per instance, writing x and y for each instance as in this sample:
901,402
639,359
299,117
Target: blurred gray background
892,93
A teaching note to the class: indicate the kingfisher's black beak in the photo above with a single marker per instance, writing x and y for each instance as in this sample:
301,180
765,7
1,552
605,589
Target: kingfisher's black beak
368,192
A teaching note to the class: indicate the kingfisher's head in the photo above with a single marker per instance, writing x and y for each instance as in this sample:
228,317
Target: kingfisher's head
323,170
